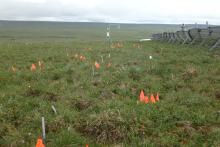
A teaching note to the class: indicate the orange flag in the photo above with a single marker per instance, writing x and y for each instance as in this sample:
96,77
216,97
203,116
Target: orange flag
33,67
87,145
97,66
40,143
157,97
152,99
82,58
142,97
146,100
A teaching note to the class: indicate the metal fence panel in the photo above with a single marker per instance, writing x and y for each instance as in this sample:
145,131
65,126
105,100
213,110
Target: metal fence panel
209,36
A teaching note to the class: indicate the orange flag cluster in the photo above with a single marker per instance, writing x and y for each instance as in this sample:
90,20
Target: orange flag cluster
146,100
81,57
96,64
32,68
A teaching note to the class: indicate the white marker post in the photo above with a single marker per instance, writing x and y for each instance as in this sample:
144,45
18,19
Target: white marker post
54,109
43,130
108,37
102,59
108,34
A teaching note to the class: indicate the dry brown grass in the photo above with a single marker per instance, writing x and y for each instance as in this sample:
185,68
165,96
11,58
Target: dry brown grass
190,72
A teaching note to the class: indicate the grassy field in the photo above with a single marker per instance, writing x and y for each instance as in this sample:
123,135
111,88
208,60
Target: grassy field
100,107
63,31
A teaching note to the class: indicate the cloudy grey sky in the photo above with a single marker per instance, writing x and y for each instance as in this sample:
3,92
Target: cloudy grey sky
122,11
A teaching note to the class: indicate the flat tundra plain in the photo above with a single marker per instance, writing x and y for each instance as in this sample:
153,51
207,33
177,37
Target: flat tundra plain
83,103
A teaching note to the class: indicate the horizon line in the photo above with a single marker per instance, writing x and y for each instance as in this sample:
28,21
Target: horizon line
141,23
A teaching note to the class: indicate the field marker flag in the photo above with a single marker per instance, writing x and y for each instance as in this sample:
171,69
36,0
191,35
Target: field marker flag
82,58
33,67
146,100
40,143
97,66
142,97
157,97
152,99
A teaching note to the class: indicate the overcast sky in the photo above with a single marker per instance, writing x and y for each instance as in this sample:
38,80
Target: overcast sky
122,11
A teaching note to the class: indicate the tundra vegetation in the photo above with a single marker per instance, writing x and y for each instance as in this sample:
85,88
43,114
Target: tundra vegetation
101,107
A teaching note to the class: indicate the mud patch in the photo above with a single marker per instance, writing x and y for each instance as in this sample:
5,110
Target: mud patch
190,73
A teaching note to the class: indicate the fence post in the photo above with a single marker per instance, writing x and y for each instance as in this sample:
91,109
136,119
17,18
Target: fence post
188,37
198,36
208,36
215,45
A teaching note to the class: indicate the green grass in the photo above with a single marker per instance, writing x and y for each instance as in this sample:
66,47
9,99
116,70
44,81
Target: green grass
102,109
